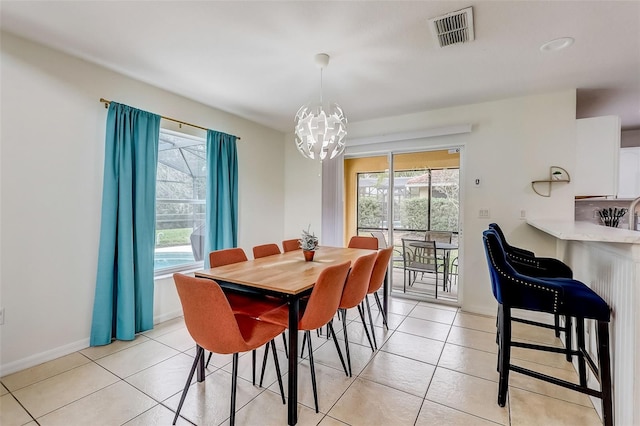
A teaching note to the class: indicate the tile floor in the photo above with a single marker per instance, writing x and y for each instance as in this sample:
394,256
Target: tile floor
436,365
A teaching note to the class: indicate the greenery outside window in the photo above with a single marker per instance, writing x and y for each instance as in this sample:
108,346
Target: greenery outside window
180,202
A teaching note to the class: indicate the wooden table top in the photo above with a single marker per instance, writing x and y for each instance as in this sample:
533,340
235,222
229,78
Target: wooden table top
286,273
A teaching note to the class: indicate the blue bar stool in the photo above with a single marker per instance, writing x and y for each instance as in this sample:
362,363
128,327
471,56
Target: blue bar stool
526,263
561,296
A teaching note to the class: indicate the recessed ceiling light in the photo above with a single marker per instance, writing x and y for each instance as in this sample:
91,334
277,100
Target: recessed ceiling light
557,44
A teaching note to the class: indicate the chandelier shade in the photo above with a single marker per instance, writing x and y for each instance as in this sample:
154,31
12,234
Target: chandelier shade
320,132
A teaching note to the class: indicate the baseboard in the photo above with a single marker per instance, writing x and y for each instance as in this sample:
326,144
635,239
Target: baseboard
41,357
166,317
479,309
54,353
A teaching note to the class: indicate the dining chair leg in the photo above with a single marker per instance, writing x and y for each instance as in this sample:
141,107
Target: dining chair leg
346,339
253,366
313,372
335,341
304,340
275,359
199,353
384,316
264,363
234,383
364,324
604,371
373,331
284,340
208,359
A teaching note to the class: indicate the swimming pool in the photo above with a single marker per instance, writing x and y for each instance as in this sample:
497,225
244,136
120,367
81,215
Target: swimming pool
163,260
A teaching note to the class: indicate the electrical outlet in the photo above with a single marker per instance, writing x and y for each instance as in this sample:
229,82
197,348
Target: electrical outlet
523,214
1,316
483,213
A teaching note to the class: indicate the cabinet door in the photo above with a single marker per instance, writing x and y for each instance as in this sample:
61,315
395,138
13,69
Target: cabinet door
629,182
597,156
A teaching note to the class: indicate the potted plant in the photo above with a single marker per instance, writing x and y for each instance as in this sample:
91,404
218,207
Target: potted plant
308,244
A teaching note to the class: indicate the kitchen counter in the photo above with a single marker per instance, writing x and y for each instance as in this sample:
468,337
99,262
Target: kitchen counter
585,231
608,261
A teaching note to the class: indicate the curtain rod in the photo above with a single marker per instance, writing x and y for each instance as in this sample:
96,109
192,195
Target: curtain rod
107,102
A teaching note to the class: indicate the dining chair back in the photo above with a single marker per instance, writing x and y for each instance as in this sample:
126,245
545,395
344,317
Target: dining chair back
213,326
265,250
438,236
320,308
355,290
325,297
243,304
378,275
227,257
357,284
370,243
290,245
419,257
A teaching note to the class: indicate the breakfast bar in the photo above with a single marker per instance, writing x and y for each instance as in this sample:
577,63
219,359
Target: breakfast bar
608,260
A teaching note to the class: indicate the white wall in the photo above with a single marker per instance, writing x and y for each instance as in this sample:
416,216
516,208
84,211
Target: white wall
52,153
513,142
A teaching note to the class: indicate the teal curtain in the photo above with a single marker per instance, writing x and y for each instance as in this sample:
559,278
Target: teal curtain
123,304
222,193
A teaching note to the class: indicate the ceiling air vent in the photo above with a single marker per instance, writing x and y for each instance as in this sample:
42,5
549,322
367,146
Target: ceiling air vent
454,27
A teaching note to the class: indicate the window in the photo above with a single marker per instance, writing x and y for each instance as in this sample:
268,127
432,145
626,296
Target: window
180,202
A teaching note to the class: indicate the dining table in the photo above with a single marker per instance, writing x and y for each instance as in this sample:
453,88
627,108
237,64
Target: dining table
287,276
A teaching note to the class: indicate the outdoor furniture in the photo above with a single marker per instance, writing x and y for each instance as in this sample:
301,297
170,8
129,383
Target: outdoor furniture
419,257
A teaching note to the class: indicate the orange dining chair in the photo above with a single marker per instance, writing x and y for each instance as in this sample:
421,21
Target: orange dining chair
377,279
265,250
320,308
243,304
290,245
355,290
214,327
363,243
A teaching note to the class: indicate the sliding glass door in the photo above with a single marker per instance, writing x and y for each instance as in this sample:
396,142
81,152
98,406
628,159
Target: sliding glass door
408,197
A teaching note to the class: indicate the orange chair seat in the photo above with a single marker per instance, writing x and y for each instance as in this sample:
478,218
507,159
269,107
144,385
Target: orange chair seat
252,306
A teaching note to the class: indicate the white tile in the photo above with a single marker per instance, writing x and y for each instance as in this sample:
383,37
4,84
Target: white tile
62,389
164,379
209,402
113,405
43,371
414,347
267,409
429,329
400,373
370,403
97,352
179,339
136,358
469,394
158,415
433,314
438,414
11,412
532,409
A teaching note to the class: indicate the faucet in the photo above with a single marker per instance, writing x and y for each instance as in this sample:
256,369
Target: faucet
632,214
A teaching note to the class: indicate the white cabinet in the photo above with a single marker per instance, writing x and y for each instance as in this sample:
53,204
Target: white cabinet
597,156
629,181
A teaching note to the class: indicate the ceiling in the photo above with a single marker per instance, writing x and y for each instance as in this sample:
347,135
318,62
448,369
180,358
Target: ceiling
256,59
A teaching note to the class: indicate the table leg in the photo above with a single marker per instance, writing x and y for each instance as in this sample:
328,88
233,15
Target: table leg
294,306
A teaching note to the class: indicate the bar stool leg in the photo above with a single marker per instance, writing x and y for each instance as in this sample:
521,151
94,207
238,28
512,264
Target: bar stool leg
567,336
582,366
504,319
604,370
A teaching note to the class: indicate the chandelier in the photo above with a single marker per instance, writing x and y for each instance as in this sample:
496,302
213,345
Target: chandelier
320,132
